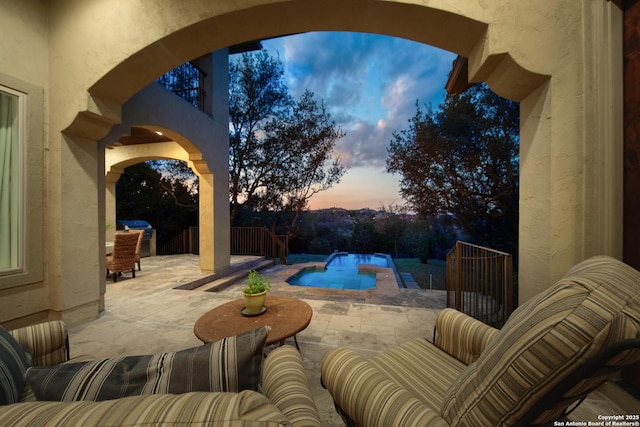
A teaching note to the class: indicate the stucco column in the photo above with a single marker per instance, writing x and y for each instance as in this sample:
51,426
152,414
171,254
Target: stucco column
215,233
206,227
221,221
570,158
73,256
111,179
536,197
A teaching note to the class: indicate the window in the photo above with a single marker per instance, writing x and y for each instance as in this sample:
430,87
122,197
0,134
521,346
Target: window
22,148
12,116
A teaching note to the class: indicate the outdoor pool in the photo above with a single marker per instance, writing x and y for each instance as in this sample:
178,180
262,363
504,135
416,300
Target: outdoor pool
343,271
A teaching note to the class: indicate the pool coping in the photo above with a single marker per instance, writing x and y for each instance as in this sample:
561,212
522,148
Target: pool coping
371,268
385,292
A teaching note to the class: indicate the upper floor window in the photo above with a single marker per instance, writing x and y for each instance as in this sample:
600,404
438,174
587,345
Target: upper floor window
12,104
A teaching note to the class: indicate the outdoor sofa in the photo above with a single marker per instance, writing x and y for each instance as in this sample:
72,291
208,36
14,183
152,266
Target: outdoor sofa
211,385
552,351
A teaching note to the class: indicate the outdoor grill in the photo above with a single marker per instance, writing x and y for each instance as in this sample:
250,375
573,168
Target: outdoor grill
138,224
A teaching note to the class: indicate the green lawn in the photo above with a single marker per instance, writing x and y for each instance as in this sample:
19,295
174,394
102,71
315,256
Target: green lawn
433,271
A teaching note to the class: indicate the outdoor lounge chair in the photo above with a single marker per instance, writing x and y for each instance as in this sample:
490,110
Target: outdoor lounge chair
552,352
123,257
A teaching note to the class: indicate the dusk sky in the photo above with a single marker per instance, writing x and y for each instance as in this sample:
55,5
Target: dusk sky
370,84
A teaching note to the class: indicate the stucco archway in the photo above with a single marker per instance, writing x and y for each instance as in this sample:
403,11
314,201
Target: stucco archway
558,69
178,147
119,158
185,132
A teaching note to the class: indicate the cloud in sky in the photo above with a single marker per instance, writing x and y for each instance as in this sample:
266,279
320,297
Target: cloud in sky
370,84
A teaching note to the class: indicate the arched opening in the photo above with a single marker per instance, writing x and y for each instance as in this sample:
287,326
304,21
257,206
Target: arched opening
149,126
512,81
119,158
541,77
456,32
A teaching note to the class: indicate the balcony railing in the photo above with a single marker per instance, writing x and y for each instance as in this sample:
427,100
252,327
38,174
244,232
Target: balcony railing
244,241
186,81
258,241
187,242
479,282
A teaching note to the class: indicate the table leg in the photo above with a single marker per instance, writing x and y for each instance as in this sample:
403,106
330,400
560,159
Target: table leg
295,338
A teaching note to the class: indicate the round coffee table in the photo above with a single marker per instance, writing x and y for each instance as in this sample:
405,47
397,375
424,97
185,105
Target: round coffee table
285,315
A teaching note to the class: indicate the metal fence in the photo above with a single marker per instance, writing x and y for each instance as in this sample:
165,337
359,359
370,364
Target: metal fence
187,242
259,241
244,241
479,282
186,81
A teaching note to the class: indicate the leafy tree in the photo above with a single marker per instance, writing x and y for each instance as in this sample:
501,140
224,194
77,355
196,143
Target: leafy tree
430,238
363,237
178,181
392,222
443,236
335,225
281,151
462,160
257,95
163,193
331,225
319,245
300,150
306,233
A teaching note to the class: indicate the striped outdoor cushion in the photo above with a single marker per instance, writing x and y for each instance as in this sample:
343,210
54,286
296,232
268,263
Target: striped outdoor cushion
369,397
462,336
46,341
14,362
244,409
596,304
231,364
284,382
412,364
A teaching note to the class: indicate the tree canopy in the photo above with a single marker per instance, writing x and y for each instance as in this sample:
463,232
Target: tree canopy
280,149
161,192
463,160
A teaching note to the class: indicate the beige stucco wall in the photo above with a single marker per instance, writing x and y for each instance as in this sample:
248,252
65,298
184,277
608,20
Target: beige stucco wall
23,28
198,137
560,58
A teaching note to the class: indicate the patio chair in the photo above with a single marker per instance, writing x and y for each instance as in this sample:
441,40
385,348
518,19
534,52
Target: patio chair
551,353
123,257
140,233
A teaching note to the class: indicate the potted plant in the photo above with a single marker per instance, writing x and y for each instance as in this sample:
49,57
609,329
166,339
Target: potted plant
255,293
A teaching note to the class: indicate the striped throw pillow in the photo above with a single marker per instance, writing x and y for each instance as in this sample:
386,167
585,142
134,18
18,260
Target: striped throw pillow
14,362
231,364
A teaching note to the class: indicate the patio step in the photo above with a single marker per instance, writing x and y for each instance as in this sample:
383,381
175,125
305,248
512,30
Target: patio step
226,281
409,281
226,277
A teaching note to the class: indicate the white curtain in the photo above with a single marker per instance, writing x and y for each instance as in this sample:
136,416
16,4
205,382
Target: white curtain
9,182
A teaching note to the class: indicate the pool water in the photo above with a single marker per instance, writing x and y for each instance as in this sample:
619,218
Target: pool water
341,272
353,260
